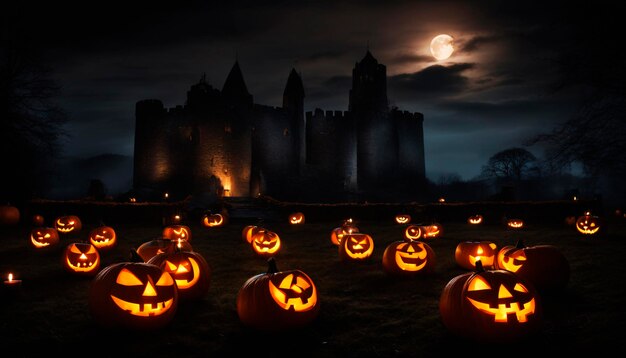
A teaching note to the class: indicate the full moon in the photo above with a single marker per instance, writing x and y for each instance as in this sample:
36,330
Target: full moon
441,46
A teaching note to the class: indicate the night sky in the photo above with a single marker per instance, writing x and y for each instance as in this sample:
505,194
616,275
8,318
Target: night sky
497,89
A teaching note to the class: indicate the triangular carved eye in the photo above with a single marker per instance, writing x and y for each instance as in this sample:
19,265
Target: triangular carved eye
170,266
519,287
165,280
92,250
127,278
74,249
479,284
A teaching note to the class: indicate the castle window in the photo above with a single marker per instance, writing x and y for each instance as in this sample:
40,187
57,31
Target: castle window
285,132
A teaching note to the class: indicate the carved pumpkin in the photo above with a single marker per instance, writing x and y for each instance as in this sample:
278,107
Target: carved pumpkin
81,258
38,220
133,295
278,300
432,231
337,234
103,238
248,231
9,215
296,218
190,271
265,243
542,265
413,232
68,224
588,224
214,220
408,257
356,247
493,306
468,252
160,245
403,218
44,238
475,219
175,232
515,223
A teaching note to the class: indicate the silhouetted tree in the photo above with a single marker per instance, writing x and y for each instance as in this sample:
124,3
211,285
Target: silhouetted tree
512,163
30,123
592,65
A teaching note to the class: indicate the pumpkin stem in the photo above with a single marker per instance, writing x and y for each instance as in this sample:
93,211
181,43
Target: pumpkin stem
271,265
134,256
519,244
479,266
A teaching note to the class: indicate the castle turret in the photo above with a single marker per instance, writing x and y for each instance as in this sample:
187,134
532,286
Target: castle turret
235,91
293,104
152,167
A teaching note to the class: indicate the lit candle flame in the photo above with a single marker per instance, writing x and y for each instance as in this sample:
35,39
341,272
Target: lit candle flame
10,277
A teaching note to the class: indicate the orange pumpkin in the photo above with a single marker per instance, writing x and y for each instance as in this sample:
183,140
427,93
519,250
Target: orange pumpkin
475,219
103,238
468,252
160,245
432,231
408,258
176,232
9,215
588,224
278,300
403,218
38,220
337,234
248,231
68,224
81,258
214,220
413,232
265,243
44,238
296,218
491,306
515,224
356,247
190,271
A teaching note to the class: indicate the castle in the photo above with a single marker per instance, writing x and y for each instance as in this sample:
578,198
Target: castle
221,142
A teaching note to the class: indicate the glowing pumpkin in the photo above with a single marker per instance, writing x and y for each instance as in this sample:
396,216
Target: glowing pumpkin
413,232
68,224
337,234
432,231
468,252
542,265
278,300
160,245
248,231
265,243
44,238
588,224
81,258
475,219
103,238
190,271
356,247
296,218
9,215
408,257
493,306
133,295
176,232
403,218
515,223
214,220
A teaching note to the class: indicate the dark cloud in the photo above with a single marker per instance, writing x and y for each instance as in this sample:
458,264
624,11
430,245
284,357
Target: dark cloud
436,80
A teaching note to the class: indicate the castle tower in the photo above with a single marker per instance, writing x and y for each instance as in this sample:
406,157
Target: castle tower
293,104
235,91
377,143
152,167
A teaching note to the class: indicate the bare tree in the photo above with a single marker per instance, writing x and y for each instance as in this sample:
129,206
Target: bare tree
512,163
30,122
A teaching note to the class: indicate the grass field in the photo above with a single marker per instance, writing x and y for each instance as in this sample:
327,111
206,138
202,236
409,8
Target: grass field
363,312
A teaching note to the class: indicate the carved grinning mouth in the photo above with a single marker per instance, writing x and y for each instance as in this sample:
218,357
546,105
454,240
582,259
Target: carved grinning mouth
143,309
501,312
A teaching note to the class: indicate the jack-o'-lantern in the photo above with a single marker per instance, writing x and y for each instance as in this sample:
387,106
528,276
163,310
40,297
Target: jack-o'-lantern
542,265
515,224
468,252
337,234
265,243
356,247
160,245
103,238
9,215
68,224
403,218
190,271
475,219
44,238
133,295
176,232
588,224
38,220
214,220
432,231
413,232
248,231
296,218
408,257
81,258
278,300
491,306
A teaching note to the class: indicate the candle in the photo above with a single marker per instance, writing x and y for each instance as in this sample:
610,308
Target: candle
11,281
12,286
